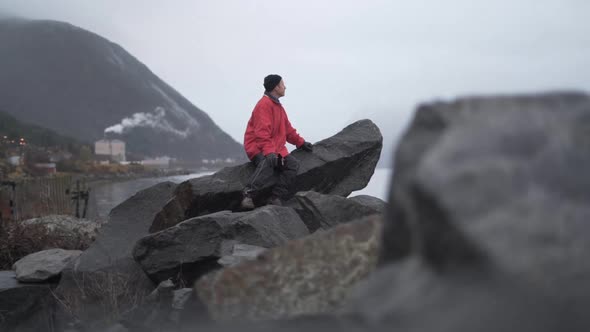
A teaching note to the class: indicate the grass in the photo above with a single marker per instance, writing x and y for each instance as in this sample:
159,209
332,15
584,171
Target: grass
18,241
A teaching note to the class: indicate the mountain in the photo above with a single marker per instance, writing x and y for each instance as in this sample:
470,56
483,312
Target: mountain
79,84
35,135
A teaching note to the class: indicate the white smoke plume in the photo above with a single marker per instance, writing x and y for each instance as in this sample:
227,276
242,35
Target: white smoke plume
154,120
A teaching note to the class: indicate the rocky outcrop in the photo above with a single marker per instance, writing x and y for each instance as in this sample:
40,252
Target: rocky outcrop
23,307
105,281
487,228
338,165
485,231
320,211
106,278
312,275
374,203
43,265
193,247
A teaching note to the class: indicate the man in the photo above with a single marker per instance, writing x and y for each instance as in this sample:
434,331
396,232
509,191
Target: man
267,133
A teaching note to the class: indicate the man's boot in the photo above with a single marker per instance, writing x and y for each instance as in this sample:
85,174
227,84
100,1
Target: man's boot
247,201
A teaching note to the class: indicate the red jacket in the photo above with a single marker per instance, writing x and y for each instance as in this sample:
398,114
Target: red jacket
269,129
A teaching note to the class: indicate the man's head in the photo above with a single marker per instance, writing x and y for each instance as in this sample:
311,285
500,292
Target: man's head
274,85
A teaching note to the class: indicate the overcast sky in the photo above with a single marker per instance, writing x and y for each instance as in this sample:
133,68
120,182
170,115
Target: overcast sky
341,60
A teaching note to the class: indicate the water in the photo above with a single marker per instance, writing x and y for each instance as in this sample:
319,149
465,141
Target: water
108,195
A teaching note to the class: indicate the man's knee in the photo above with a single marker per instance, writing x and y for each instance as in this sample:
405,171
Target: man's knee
258,159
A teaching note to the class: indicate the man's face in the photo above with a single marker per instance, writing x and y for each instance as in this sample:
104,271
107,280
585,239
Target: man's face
280,89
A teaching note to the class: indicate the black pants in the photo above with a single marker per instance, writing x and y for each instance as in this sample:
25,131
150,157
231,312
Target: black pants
266,175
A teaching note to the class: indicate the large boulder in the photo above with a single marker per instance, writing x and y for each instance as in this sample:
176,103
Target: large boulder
411,295
488,223
312,275
193,247
499,180
338,165
24,307
372,202
320,211
43,265
105,280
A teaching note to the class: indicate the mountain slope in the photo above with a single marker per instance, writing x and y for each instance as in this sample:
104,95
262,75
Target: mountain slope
79,84
38,136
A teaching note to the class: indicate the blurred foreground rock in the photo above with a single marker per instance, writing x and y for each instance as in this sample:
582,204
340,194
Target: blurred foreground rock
312,275
488,224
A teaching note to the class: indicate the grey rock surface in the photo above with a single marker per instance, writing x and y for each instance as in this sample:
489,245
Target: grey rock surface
371,201
320,211
23,307
193,247
43,265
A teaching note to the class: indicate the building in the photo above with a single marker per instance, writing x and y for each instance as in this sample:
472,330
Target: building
115,149
159,162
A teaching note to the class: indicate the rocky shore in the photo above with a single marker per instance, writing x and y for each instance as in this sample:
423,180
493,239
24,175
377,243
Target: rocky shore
485,230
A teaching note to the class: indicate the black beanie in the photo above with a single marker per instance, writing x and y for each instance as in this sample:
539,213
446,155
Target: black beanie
271,81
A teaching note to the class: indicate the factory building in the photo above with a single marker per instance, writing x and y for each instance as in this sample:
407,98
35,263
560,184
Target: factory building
114,149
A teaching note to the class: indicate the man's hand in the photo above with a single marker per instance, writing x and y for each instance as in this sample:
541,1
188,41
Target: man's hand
306,146
273,159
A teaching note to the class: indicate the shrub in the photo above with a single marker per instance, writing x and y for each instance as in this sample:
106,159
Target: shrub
18,241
